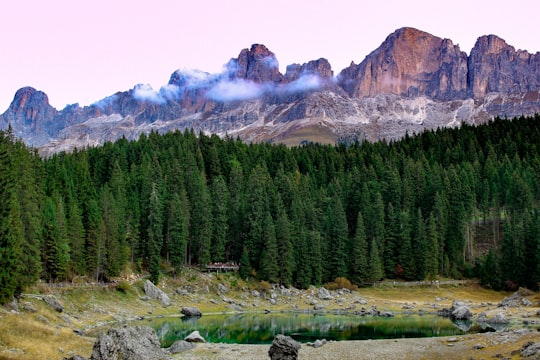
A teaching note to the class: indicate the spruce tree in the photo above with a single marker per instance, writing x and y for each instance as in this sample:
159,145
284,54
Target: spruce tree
376,271
269,257
155,235
178,230
359,268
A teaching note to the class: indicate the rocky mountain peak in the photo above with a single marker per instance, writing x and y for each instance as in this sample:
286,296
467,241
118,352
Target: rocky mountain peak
320,68
257,64
495,66
29,109
410,63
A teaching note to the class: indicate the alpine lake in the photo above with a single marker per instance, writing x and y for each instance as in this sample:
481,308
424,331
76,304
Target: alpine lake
261,328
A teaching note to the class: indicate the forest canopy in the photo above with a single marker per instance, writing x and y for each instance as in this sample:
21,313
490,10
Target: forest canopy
459,202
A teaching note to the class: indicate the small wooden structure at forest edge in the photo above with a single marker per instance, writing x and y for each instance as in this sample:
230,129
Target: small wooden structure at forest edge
223,267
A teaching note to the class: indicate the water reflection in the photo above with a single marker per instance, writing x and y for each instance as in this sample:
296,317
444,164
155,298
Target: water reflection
262,328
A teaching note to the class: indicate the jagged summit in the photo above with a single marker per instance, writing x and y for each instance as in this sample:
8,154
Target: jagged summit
412,81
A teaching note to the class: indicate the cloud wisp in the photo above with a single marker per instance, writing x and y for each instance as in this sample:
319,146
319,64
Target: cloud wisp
222,87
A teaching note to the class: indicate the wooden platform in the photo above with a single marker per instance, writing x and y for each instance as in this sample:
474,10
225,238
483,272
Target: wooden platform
222,267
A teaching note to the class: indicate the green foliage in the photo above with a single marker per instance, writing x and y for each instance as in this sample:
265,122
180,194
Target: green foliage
415,208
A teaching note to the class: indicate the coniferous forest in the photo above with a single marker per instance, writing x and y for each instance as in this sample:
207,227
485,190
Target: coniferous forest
446,203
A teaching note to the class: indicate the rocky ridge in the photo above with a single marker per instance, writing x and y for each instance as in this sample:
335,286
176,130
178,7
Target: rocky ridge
413,81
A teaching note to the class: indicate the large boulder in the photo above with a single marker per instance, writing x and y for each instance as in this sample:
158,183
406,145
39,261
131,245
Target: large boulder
284,348
154,292
53,302
129,343
190,311
498,319
461,313
324,294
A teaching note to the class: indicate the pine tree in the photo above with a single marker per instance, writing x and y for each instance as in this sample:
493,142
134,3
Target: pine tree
269,256
155,235
56,247
431,259
336,238
220,207
11,240
359,268
376,271
285,249
178,230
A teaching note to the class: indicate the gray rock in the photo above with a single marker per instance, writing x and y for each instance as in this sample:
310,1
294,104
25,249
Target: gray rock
195,336
530,349
255,293
133,343
180,346
482,318
318,307
461,313
190,311
284,348
13,304
53,302
324,294
272,301
498,319
75,357
319,343
526,302
28,306
154,292
222,288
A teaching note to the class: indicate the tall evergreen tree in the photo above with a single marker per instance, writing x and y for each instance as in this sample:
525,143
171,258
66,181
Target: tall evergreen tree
376,271
155,235
359,268
178,230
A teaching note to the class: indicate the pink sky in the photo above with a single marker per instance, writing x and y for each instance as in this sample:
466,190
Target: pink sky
82,51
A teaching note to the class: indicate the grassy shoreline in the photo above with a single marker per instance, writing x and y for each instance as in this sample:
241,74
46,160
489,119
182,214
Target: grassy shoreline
36,331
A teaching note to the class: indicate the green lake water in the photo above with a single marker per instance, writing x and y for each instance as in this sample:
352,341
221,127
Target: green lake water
262,328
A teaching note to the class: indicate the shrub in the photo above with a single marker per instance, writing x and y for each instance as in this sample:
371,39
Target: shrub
341,283
123,286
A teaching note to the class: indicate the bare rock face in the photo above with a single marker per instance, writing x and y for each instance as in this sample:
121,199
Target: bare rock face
495,66
257,64
413,82
320,68
129,343
412,63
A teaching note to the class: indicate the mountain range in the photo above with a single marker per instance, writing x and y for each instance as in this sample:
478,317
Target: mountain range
413,81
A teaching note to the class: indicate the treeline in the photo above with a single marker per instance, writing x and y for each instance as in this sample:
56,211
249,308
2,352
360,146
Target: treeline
451,202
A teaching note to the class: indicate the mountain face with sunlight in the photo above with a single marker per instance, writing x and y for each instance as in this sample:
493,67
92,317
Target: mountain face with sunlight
413,81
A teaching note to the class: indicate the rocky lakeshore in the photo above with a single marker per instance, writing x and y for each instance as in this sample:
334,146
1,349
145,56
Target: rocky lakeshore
61,322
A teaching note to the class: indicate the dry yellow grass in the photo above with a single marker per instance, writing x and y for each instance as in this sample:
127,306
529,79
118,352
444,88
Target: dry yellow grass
47,334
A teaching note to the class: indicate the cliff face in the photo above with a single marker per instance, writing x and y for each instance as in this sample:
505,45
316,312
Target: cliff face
413,81
410,63
495,66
